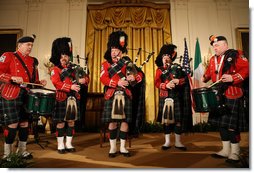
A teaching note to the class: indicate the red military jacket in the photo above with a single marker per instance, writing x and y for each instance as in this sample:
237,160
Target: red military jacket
62,87
239,72
112,82
162,84
11,66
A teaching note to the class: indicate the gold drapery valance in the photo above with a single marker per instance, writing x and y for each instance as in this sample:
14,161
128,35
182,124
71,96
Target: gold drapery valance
135,17
147,26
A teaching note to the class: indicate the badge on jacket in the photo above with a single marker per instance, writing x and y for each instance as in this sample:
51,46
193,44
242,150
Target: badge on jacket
52,73
2,58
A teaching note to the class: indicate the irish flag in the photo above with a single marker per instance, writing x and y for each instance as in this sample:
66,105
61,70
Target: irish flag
198,67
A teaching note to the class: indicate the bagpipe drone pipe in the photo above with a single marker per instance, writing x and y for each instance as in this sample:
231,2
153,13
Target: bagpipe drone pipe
138,93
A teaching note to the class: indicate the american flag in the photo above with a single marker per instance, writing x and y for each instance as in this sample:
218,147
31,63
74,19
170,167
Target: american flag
186,63
187,69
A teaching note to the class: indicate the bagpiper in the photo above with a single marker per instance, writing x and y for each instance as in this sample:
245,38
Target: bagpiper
174,96
117,92
67,87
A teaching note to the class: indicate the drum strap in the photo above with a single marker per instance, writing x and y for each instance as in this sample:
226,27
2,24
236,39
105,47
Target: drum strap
218,66
25,67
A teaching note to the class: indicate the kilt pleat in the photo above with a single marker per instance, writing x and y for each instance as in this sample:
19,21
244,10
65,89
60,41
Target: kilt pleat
13,111
235,118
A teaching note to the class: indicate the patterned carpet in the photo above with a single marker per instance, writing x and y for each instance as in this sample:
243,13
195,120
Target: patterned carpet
146,152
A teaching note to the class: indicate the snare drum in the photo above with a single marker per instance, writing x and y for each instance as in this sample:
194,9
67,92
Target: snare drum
41,101
205,99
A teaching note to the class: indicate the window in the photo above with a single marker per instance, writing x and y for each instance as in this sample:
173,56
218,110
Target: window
8,39
242,40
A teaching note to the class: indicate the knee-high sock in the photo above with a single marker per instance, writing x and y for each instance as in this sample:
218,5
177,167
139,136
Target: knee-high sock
10,134
168,128
23,133
224,134
70,131
234,136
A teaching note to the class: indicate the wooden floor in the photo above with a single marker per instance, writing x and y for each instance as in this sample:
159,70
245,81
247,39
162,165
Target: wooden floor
146,152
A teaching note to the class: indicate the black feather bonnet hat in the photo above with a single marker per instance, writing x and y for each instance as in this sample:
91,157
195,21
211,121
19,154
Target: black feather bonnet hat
60,46
169,49
117,39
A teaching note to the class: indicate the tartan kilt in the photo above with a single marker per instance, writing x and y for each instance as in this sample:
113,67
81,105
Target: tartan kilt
13,111
106,117
235,118
177,109
60,110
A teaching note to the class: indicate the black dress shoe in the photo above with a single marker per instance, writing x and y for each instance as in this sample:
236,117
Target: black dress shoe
165,147
111,155
71,150
231,161
217,156
181,148
128,154
62,151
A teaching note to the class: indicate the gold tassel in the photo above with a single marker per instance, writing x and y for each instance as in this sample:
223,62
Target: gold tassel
168,112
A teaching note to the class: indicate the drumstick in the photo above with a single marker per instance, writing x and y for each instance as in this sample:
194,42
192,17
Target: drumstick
215,83
49,89
28,83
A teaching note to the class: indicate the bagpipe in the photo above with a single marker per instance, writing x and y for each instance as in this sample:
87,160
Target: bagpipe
76,69
150,54
75,72
138,92
173,71
132,68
